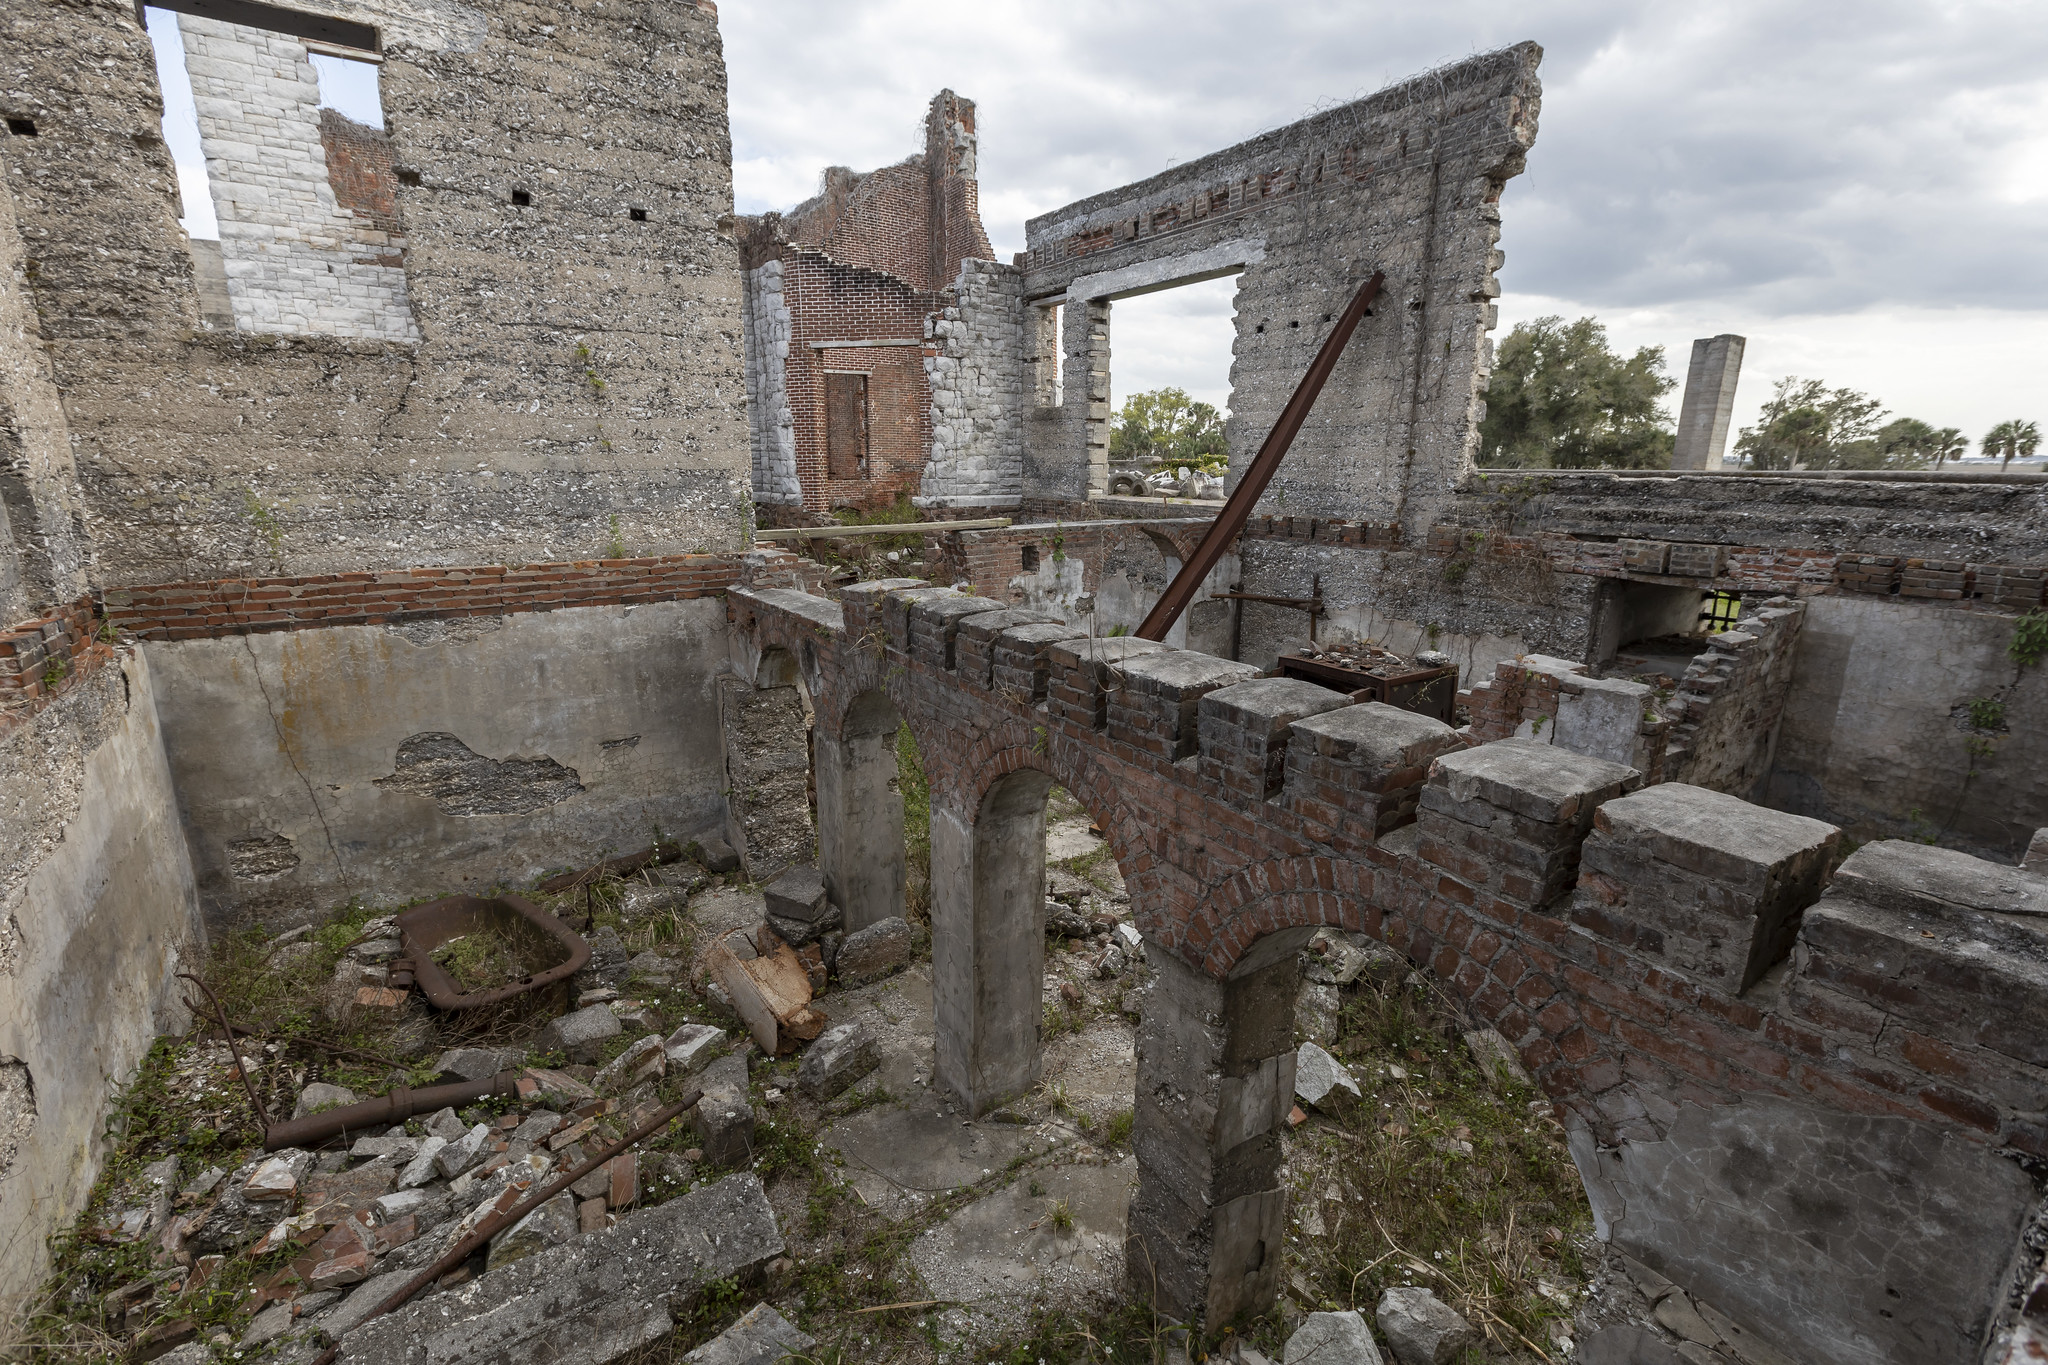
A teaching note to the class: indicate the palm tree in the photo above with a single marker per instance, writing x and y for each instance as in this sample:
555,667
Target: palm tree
1949,444
2008,439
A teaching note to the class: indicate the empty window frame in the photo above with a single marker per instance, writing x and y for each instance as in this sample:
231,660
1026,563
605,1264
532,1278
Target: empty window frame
846,424
1046,357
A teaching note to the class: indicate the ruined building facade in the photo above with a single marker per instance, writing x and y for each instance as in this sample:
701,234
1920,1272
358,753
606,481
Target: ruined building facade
851,304
409,549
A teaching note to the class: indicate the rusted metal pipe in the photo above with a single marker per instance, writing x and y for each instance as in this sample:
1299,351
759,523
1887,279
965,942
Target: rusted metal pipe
1252,486
490,1225
397,1106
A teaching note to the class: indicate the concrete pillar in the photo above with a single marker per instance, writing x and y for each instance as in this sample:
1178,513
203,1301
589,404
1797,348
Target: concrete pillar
988,941
1215,1083
1709,403
860,813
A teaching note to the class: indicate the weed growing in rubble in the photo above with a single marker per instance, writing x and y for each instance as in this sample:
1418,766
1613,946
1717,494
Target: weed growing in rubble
615,546
1440,1177
916,791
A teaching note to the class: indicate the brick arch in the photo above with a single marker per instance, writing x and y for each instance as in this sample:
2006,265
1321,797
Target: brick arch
1512,984
1000,753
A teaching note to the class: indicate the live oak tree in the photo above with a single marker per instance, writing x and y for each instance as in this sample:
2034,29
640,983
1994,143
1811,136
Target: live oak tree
1562,398
1168,425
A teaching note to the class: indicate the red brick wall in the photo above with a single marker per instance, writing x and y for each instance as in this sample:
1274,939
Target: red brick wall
183,611
359,172
829,301
46,656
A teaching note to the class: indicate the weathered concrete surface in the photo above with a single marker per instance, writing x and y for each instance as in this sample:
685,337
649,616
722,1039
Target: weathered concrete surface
1836,1237
97,912
1877,727
592,1299
896,1156
1003,1250
299,736
762,1336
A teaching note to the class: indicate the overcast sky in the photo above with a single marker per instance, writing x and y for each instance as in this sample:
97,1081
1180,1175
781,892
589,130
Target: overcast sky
1859,189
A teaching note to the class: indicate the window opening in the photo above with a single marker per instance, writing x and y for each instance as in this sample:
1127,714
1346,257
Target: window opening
846,425
1719,612
522,198
22,127
637,215
1049,358
348,86
1170,390
181,127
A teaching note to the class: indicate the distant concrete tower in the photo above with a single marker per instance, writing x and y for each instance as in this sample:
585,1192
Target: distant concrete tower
1709,402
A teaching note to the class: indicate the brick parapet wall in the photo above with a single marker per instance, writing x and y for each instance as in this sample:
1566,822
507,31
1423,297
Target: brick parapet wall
1726,709
184,611
1581,968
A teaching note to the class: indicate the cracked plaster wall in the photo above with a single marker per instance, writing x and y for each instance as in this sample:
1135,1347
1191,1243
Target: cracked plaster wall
98,911
574,365
391,762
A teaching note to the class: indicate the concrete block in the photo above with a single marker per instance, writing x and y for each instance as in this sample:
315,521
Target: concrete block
1079,671
1909,877
1324,1082
590,1300
1533,780
840,1057
761,1337
935,621
1708,882
1155,699
724,1116
475,1063
689,1047
581,1035
1243,729
1020,660
320,1095
798,894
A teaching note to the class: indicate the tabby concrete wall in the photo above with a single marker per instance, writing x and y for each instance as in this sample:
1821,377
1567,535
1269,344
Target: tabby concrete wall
1406,181
440,754
98,911
579,380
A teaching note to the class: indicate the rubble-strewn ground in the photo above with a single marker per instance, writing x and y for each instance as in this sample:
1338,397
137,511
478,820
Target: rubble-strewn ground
913,1235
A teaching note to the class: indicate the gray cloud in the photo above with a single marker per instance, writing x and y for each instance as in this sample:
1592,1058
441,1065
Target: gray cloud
1789,159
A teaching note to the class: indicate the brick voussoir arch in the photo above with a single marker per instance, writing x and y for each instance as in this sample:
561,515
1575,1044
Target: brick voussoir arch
1515,986
1013,747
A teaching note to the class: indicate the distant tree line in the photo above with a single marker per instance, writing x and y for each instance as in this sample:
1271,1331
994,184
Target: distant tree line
1562,398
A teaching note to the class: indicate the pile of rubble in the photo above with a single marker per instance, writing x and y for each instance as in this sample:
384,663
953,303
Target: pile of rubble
769,973
1363,656
593,1271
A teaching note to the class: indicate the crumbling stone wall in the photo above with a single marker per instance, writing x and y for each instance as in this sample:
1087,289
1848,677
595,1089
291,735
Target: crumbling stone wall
44,553
1730,701
298,260
873,258
977,392
578,381
1757,1067
772,426
1406,181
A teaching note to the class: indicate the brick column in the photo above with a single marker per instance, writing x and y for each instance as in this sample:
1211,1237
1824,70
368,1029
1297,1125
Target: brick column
1215,1083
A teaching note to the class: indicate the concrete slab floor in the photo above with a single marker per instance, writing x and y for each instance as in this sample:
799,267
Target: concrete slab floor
1057,1233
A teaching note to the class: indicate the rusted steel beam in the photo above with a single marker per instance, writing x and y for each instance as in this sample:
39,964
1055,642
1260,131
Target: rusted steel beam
1252,486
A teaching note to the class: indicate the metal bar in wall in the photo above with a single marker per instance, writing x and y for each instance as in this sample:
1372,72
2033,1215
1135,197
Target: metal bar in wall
848,345
277,19
1252,486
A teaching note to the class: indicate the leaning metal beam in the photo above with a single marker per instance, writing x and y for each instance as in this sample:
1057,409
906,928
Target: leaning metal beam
1231,519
